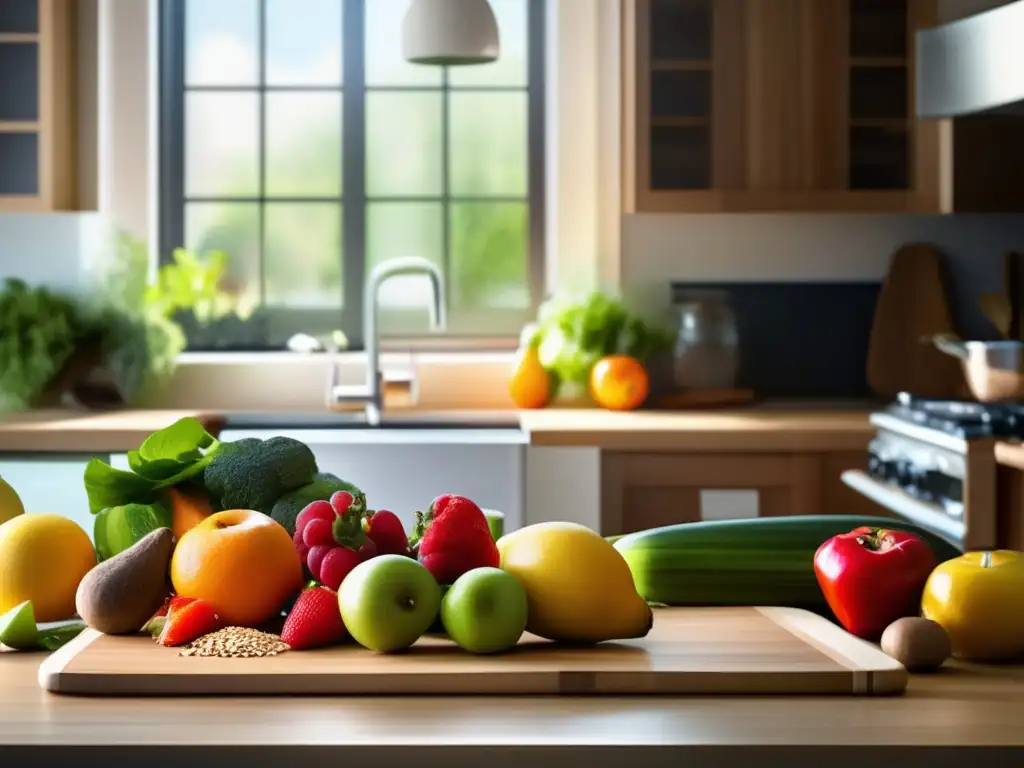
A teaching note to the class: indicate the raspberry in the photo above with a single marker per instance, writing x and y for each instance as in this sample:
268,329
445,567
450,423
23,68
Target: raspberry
341,501
300,545
317,531
337,565
368,550
312,511
315,558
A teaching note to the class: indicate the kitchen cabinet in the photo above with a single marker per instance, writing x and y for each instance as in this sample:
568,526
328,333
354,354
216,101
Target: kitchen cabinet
37,105
794,105
641,490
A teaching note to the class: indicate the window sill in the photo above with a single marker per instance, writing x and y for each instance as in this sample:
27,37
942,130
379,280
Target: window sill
276,381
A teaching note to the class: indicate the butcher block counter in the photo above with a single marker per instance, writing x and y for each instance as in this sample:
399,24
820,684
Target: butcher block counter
773,427
68,431
962,716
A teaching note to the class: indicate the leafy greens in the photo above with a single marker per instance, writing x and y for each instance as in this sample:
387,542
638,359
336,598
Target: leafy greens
166,458
573,332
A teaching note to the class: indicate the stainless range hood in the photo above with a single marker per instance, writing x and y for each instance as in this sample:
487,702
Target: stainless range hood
973,66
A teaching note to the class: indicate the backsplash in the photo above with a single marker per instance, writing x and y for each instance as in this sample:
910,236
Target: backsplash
806,339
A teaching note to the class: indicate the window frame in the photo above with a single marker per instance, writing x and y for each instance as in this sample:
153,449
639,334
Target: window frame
473,327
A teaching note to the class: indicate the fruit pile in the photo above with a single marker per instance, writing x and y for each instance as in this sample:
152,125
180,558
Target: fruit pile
298,553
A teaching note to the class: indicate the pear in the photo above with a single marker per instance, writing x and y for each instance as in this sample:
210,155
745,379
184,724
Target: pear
119,595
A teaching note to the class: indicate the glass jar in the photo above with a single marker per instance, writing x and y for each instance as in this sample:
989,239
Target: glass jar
707,342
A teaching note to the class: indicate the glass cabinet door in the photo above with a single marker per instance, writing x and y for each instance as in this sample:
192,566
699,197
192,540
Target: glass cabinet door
680,37
19,98
879,95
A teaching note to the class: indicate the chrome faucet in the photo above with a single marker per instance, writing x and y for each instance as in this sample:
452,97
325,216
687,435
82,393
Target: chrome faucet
371,394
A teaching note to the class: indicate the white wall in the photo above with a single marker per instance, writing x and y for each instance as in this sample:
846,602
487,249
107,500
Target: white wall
657,249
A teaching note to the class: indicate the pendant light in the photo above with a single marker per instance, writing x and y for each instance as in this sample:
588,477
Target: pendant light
450,32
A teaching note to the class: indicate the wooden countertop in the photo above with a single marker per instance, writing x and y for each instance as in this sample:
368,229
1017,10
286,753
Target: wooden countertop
1010,454
67,431
750,429
959,707
745,430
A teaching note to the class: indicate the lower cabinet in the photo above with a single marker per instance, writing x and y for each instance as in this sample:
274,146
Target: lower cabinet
645,490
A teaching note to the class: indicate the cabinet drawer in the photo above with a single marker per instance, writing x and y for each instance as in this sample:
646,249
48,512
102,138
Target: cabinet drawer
647,490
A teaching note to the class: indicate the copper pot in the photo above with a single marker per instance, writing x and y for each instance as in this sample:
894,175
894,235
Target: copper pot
994,370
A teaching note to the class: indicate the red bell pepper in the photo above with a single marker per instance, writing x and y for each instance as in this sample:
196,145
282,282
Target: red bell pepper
872,576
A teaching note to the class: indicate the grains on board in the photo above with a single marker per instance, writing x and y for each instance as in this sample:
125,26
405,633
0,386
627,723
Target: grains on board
235,643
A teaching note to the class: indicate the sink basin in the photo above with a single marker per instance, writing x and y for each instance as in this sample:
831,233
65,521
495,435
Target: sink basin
357,420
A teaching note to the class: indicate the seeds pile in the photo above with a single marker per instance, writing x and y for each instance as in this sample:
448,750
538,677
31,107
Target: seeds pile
235,643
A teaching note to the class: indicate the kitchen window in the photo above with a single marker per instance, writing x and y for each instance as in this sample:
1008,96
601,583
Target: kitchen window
301,144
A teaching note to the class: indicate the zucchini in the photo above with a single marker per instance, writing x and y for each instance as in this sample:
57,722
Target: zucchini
757,561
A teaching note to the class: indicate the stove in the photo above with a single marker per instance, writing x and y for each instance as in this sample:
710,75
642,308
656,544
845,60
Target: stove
920,457
963,420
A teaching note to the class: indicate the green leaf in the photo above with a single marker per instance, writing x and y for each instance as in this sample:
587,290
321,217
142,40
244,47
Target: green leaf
54,637
180,442
106,486
118,528
189,471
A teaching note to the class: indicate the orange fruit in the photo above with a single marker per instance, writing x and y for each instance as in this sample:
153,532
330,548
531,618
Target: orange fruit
619,383
241,562
189,507
530,385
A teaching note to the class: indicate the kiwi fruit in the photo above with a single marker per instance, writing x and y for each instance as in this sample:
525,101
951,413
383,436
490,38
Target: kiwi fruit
920,645
119,595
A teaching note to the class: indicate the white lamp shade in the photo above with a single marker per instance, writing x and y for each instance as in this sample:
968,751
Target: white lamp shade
450,32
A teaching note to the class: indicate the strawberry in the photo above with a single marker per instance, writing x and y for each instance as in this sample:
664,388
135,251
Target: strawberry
336,565
453,537
187,619
314,510
156,622
315,621
386,531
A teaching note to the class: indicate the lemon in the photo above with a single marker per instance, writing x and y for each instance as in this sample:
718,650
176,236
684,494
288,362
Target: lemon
43,557
578,586
10,502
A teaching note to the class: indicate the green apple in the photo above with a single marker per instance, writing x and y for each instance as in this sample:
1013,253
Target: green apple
485,610
388,602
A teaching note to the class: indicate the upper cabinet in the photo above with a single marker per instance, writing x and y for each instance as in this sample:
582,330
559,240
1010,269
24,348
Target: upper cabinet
37,108
787,105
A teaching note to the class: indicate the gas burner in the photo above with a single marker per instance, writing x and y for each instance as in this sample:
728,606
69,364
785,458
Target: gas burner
963,419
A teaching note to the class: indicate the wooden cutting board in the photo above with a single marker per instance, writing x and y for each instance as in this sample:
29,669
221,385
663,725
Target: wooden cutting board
911,304
689,651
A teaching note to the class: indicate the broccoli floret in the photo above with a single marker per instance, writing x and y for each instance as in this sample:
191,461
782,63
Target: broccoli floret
253,473
323,486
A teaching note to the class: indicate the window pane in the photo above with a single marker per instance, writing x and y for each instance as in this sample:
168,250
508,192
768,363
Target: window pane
303,255
303,48
234,229
221,42
510,68
488,144
384,62
403,143
404,229
303,144
221,144
490,257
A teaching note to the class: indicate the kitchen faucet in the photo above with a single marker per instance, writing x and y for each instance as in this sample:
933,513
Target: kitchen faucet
371,394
